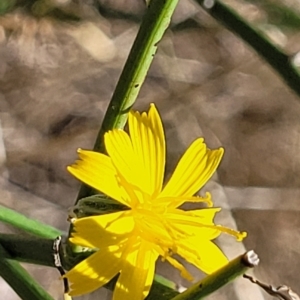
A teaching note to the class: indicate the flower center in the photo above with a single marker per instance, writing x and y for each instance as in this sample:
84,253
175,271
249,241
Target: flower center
154,227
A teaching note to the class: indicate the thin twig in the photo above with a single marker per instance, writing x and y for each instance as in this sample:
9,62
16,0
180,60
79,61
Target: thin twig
277,59
282,292
216,280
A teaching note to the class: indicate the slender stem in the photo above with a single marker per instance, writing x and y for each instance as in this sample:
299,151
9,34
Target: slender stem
277,59
6,6
213,282
154,24
29,225
18,278
28,249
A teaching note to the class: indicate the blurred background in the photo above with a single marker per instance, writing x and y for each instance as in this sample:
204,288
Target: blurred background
59,63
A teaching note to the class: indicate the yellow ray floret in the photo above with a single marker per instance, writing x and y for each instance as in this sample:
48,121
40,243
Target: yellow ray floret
128,243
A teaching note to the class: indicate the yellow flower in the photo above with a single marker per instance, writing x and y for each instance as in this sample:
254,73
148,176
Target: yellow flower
129,242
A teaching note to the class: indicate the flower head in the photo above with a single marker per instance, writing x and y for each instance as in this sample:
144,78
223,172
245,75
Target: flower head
129,242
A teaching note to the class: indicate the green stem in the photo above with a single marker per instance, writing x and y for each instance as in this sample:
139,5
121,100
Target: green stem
279,13
19,279
213,282
277,59
29,225
28,249
154,24
6,6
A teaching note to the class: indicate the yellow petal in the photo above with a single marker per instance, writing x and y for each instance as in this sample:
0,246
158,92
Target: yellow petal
147,134
137,273
140,157
96,170
94,272
199,223
207,256
104,230
194,169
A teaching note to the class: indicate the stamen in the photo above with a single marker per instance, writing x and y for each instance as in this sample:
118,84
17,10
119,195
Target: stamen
147,232
177,201
156,227
185,246
163,252
183,271
239,235
208,200
181,233
130,245
128,189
